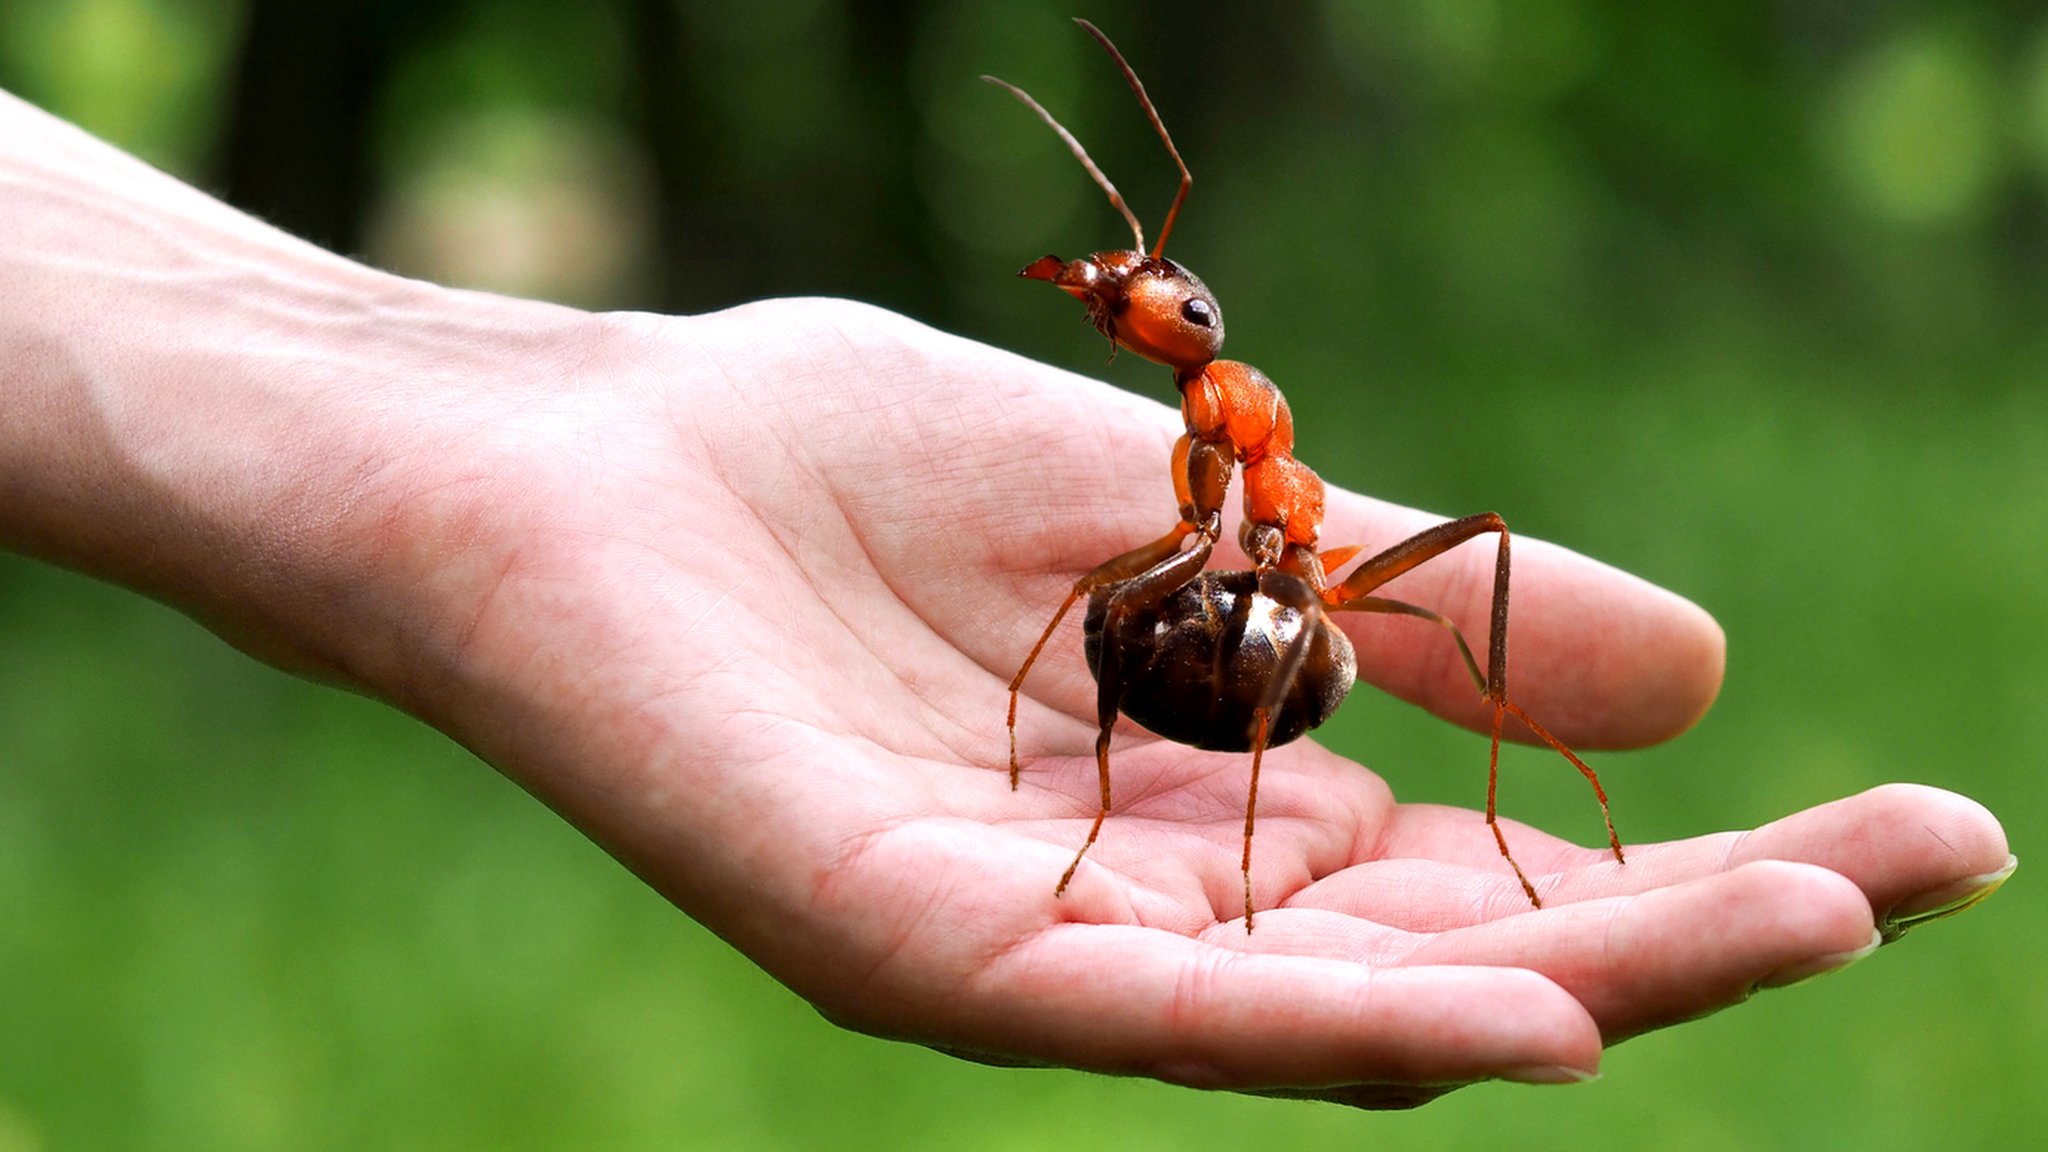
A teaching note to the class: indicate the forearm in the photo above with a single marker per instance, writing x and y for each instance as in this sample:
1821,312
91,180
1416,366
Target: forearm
200,407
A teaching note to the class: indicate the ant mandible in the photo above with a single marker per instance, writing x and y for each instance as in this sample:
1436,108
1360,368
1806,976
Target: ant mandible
1235,661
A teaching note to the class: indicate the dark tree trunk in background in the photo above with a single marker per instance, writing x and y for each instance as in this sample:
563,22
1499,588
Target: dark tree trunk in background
900,250
700,246
295,148
851,221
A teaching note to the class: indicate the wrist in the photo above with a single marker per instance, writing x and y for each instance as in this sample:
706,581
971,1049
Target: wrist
201,408
350,513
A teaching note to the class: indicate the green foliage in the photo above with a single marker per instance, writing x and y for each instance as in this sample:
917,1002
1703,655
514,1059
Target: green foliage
1744,298
142,73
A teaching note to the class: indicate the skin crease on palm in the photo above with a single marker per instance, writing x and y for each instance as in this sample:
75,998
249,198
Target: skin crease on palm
739,595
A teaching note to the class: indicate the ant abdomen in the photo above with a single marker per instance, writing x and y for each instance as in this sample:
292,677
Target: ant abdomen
1196,667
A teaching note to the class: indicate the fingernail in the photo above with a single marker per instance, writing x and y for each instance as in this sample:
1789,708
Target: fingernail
1947,900
1820,965
1549,1074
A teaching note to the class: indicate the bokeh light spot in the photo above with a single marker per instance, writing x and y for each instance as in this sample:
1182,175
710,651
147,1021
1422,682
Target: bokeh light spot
546,206
138,73
1912,131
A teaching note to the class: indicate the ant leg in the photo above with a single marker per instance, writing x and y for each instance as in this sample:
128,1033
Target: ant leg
1251,808
1101,813
1299,596
1425,546
1416,550
1402,608
1201,476
1408,609
1599,793
1141,591
1124,567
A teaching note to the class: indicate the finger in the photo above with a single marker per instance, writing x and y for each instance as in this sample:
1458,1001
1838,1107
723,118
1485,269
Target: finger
1671,954
1135,1000
1602,658
1642,961
1422,896
1438,867
1918,853
1372,1097
1454,835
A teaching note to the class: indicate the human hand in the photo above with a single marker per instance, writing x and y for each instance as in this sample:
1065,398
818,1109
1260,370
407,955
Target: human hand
740,596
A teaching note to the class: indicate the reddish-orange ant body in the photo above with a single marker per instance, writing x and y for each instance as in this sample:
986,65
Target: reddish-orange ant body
1234,660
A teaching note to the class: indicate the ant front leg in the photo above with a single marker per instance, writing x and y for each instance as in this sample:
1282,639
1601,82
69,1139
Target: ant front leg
1352,595
1201,478
1124,567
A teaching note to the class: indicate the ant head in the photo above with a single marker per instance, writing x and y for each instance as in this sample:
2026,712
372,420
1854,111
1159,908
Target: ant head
1169,316
1148,304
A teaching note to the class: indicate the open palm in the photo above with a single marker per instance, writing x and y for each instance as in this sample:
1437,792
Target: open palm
745,599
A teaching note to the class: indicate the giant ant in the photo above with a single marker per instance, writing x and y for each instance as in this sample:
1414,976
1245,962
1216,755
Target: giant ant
1238,660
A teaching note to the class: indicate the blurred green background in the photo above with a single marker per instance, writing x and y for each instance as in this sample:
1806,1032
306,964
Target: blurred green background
1745,297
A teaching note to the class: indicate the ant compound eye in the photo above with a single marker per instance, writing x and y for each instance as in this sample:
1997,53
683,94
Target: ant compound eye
1197,311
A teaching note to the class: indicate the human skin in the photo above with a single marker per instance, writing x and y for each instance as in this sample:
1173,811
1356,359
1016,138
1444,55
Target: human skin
739,595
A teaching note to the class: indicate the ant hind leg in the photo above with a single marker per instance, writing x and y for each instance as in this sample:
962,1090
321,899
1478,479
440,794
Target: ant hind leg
1352,595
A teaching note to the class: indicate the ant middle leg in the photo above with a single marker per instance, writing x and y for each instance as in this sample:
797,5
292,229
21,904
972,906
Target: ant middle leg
1352,595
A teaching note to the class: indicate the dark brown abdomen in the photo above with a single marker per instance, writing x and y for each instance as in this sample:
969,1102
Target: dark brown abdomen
1198,666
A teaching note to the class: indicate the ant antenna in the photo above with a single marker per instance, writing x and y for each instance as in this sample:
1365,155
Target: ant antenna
1187,179
1080,154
